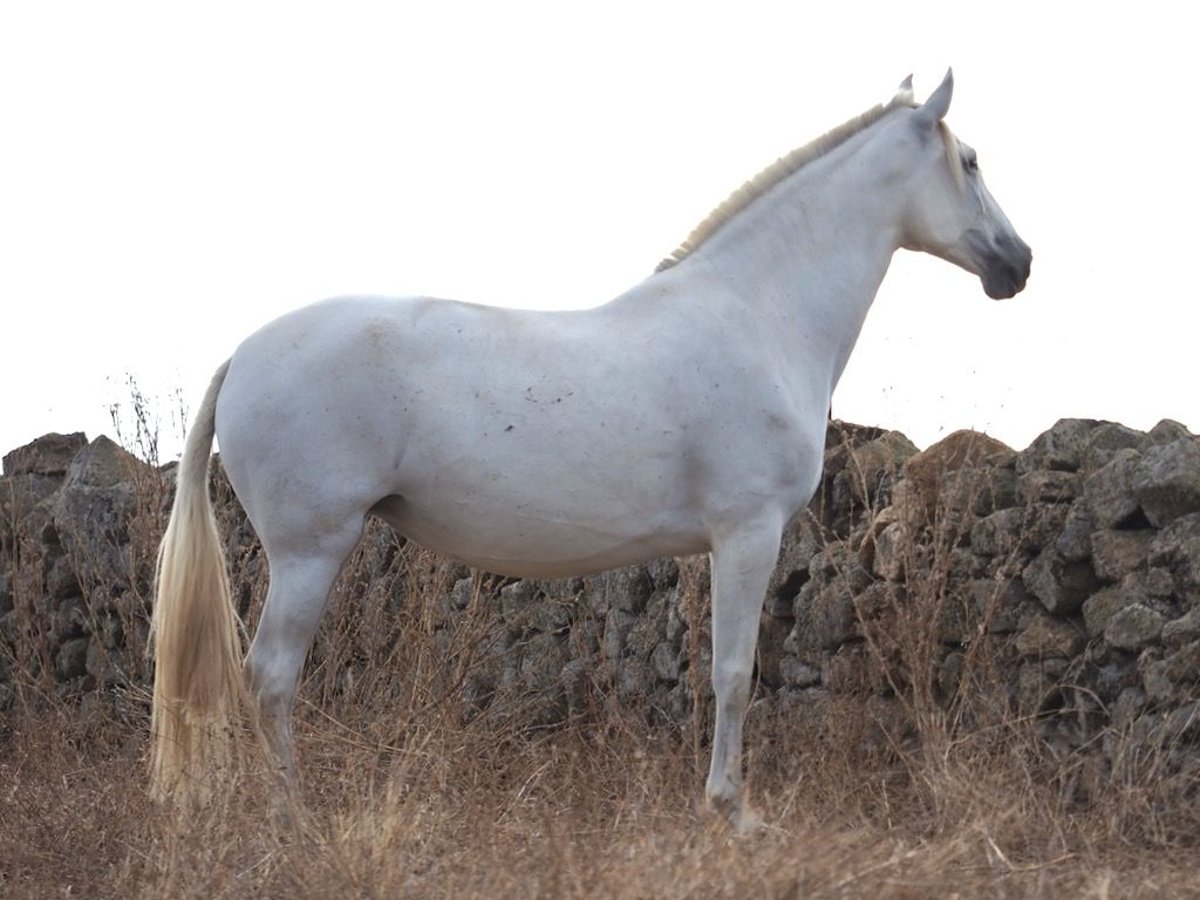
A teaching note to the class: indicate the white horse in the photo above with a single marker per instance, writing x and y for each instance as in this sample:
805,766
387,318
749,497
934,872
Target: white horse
685,416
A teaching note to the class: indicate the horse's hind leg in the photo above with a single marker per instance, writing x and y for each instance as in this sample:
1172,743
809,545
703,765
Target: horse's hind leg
297,596
741,567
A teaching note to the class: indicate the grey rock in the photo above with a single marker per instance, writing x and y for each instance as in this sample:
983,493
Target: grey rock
1074,543
1002,604
93,511
1105,440
1183,630
1108,493
665,662
1099,608
1133,627
1049,637
626,589
1117,553
826,615
71,660
1048,486
802,539
926,474
999,533
49,455
1131,702
1177,549
1171,677
848,671
1166,482
1060,448
1037,681
1061,586
1043,524
890,546
1167,431
617,625
797,673
872,467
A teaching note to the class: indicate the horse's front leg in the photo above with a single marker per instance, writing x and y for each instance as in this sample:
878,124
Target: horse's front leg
741,566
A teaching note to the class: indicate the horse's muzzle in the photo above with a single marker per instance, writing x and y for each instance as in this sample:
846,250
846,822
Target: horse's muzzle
1006,268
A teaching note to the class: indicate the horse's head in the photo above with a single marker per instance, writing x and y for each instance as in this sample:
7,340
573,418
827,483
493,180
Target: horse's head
950,212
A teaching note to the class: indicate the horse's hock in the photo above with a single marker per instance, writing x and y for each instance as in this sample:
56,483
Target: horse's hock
1061,582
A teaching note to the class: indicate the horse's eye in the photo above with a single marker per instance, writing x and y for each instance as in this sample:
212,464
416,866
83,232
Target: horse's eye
971,163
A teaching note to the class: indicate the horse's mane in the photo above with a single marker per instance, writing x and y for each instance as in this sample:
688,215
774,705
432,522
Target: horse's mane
778,171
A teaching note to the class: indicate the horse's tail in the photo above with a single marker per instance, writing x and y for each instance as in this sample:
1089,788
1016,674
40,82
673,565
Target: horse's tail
198,684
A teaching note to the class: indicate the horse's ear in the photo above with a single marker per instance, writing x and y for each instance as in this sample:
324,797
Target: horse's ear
934,109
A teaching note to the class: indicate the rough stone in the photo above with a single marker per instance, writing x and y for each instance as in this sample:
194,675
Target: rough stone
1001,605
1166,482
1105,440
1048,486
890,544
1167,431
847,671
873,466
93,511
617,625
802,539
1117,553
1183,630
1130,704
1099,608
1177,549
1133,627
1037,681
665,662
1061,586
49,455
1043,524
1048,637
1171,677
1115,675
925,473
1060,448
626,589
71,660
999,533
797,673
978,491
1074,542
826,615
1109,491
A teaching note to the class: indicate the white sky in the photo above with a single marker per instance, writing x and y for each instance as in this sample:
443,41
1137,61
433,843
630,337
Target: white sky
172,176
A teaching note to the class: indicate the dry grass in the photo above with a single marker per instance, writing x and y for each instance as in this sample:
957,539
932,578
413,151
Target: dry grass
405,795
602,810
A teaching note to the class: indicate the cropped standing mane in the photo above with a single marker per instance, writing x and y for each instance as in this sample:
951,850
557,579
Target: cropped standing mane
779,170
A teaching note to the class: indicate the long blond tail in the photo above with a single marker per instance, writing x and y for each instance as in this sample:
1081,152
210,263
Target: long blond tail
198,685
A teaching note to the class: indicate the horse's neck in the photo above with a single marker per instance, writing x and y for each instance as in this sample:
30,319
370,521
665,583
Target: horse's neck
808,258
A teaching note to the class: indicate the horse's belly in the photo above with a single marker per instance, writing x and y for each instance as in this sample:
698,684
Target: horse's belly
516,541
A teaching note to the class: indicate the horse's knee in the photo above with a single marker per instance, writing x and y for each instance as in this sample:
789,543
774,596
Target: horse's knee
731,682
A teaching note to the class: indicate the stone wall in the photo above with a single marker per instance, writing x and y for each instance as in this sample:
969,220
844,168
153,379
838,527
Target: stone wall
1060,583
